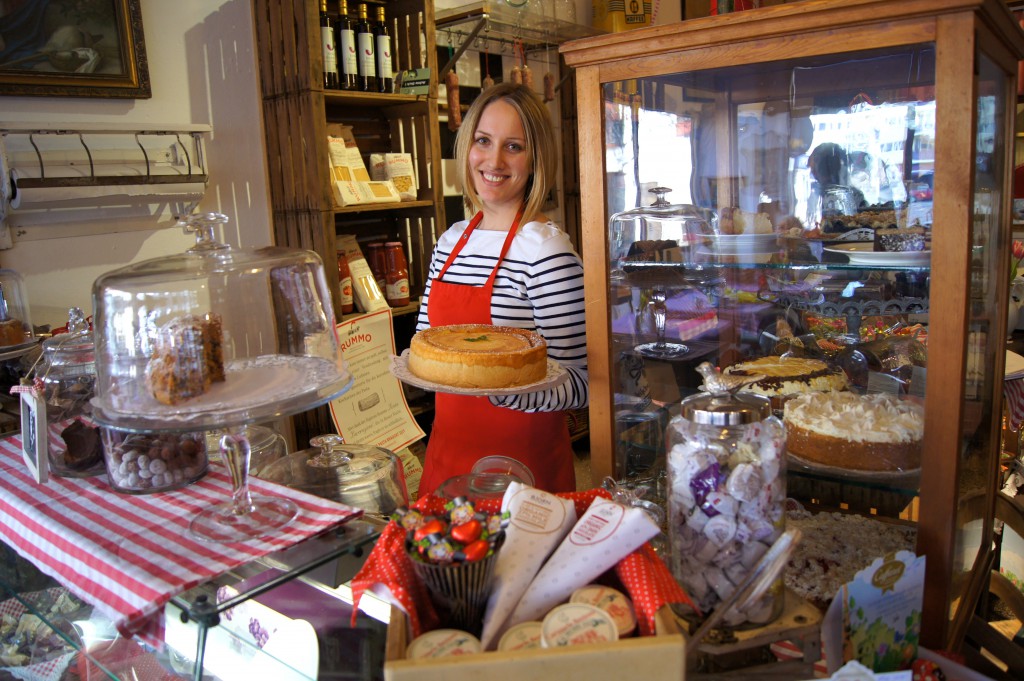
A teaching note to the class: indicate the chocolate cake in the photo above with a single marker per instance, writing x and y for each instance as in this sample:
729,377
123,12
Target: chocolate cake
901,240
84,448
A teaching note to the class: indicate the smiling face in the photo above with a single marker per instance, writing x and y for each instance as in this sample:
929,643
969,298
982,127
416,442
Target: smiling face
500,163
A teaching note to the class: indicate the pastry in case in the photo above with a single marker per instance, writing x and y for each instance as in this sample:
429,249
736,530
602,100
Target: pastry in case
788,375
875,432
478,356
188,358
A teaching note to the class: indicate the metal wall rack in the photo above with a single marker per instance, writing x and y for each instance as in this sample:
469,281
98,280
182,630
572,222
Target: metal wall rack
498,22
179,157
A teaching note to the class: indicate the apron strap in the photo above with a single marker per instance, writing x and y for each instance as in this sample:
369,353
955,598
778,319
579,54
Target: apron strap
465,237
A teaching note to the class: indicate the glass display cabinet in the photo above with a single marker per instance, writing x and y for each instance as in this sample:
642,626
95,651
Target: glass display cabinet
832,183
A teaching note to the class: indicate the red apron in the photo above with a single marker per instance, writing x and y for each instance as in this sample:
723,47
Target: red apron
468,428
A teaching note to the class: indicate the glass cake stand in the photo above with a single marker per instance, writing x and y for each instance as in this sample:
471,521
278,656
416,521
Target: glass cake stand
217,338
664,252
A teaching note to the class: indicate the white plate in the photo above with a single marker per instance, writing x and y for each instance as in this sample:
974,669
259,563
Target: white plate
742,244
12,351
557,375
861,253
1014,365
904,479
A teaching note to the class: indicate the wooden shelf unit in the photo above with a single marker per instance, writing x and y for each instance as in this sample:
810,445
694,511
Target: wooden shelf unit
297,111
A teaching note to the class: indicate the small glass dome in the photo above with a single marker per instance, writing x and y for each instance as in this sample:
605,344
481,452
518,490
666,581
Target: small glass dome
15,323
214,337
661,236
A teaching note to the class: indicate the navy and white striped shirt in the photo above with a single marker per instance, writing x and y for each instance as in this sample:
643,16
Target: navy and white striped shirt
539,286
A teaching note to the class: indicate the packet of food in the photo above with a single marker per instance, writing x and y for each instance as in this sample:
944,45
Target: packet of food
398,169
607,533
538,521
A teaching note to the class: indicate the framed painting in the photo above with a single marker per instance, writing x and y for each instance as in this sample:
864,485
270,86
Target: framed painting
73,48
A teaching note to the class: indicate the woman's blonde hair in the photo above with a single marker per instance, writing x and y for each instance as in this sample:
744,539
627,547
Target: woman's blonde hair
540,144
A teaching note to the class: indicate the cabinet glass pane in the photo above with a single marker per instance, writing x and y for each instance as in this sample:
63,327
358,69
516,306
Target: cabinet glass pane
978,452
794,167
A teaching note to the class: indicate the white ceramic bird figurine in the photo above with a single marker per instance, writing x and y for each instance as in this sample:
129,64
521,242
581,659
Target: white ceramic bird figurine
717,383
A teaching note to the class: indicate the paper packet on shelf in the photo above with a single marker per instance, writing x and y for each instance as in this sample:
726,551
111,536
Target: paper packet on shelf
366,294
344,154
398,169
607,533
380,192
349,177
538,522
352,193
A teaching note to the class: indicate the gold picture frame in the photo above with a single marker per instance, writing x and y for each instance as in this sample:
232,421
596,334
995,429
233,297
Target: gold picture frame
73,48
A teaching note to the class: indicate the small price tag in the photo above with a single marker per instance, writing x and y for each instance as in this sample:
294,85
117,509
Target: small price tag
884,383
34,447
918,379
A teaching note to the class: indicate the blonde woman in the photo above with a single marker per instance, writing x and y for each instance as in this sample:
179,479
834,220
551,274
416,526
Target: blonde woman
511,266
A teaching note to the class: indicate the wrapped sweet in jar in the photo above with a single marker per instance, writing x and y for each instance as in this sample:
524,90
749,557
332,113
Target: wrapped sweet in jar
726,476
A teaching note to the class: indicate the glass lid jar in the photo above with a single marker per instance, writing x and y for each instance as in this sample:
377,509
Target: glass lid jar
67,373
651,244
657,253
15,324
362,476
726,480
214,337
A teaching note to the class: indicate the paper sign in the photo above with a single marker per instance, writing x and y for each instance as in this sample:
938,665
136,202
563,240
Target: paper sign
34,449
876,618
374,410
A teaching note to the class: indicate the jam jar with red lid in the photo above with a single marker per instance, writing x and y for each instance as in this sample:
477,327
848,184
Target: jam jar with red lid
726,478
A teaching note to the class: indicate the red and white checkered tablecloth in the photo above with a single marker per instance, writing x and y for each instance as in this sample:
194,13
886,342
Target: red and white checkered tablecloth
127,555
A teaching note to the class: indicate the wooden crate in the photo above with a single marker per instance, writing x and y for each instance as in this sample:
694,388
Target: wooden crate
652,658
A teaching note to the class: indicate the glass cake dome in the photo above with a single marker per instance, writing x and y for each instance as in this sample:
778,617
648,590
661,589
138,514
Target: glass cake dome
659,250
214,337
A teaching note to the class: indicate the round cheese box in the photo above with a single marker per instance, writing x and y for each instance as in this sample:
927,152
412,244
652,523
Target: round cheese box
442,643
521,637
575,624
612,601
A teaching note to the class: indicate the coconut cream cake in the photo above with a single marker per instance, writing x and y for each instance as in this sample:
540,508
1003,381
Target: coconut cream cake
875,432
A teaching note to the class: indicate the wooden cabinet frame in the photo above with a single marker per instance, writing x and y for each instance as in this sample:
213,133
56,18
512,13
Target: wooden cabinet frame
960,30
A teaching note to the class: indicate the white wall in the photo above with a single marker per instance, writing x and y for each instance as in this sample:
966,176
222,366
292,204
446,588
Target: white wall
202,67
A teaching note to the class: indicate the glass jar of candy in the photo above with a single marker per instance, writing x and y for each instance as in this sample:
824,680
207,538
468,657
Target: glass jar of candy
726,479
68,376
